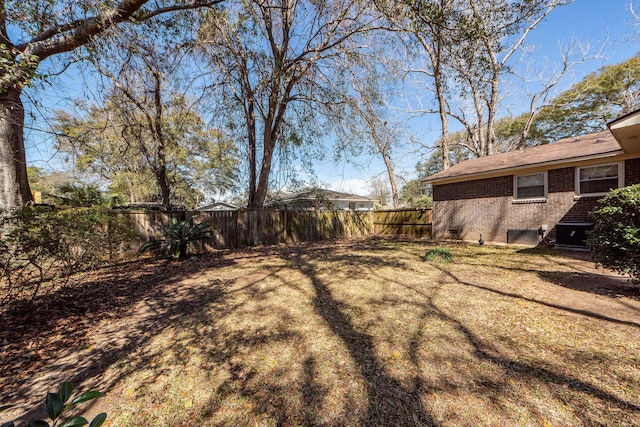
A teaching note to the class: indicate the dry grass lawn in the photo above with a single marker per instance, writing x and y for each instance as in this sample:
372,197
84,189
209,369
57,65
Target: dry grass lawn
363,332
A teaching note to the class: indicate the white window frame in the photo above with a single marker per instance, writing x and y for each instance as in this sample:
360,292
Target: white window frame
577,178
525,199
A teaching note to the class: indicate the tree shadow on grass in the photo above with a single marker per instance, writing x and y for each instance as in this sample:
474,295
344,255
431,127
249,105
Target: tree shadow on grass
610,286
483,350
389,402
53,339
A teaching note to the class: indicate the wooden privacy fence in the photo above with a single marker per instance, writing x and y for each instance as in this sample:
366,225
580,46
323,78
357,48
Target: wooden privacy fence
148,224
412,222
248,227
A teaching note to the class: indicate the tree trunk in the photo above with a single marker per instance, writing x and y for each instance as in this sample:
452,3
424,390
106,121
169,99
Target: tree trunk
14,185
442,109
257,201
253,166
392,180
438,77
165,192
161,153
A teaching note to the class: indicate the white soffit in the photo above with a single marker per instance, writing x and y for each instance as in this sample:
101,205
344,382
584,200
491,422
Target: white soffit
626,130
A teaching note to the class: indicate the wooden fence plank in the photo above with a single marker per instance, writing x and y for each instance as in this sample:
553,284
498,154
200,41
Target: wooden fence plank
248,227
412,222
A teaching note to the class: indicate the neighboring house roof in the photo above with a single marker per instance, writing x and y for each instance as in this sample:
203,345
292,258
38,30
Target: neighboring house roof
217,206
324,195
584,147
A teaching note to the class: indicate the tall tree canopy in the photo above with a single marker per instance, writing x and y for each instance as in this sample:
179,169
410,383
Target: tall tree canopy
32,31
276,60
469,49
117,142
588,105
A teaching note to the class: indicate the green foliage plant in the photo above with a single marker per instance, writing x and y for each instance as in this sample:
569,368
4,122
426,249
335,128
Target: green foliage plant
58,404
615,238
42,247
176,237
81,195
439,254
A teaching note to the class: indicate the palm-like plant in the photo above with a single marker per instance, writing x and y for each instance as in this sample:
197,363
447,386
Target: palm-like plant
177,236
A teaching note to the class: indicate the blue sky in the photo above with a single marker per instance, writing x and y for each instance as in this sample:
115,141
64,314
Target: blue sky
593,22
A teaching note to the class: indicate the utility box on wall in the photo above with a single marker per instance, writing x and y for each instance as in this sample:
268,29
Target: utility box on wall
572,234
523,237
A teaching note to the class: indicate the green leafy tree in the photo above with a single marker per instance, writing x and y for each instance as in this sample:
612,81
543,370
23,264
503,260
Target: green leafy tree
83,195
114,141
457,153
615,238
589,104
31,31
414,194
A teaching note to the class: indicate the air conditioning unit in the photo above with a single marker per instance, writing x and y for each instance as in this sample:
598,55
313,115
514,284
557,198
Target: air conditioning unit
572,235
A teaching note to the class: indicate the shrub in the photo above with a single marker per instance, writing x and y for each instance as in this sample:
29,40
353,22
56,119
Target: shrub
57,404
615,238
438,254
177,236
41,247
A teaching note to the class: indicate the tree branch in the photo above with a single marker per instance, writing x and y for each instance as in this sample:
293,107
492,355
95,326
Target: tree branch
66,37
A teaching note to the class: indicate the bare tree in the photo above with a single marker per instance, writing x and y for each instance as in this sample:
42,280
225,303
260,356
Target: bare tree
276,58
494,34
471,46
139,90
432,25
42,29
363,118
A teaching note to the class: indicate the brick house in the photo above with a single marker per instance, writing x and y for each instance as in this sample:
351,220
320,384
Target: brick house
548,190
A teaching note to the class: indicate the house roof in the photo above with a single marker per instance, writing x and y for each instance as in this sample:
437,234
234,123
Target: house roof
584,147
328,195
217,206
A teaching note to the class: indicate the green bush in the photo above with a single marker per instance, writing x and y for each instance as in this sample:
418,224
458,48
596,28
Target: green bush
177,236
42,247
439,254
615,238
57,404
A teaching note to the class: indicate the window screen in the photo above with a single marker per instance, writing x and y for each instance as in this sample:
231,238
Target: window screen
530,186
598,179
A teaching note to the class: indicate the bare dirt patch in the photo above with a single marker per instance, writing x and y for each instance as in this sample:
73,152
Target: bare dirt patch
361,332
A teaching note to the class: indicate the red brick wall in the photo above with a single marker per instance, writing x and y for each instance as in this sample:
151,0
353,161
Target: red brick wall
487,207
561,180
490,187
632,172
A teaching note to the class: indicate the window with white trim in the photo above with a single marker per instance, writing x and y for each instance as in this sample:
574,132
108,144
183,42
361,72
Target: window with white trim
598,180
532,186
